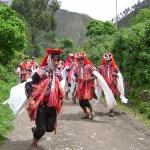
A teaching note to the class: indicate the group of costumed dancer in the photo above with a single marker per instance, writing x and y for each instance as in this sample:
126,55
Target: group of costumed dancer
44,92
25,68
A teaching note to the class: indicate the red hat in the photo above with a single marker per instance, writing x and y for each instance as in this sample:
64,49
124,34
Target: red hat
53,51
82,55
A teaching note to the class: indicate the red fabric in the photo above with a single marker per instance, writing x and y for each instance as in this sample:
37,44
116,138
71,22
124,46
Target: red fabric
87,61
44,61
110,79
85,89
70,62
57,51
50,51
25,73
34,65
103,62
70,74
108,71
39,94
83,55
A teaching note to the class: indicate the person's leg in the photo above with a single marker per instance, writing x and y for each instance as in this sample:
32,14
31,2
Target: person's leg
67,93
84,108
90,108
111,112
51,116
39,130
74,99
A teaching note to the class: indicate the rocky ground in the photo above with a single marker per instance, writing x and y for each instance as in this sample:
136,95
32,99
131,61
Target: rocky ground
121,132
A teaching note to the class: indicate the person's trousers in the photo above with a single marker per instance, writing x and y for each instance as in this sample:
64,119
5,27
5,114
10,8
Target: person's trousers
45,121
84,103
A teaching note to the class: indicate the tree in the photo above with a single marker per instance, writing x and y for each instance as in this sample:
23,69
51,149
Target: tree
142,16
132,55
40,15
12,34
67,46
98,28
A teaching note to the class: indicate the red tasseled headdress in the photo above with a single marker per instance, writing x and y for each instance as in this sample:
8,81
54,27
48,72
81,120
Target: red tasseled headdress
50,51
69,60
109,56
83,55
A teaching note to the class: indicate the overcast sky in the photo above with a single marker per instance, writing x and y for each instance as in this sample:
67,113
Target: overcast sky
97,9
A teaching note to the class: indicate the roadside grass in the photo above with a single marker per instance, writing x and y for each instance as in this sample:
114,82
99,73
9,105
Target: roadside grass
135,112
140,110
7,80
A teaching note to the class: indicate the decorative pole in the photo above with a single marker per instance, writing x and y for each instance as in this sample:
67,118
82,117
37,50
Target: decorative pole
116,14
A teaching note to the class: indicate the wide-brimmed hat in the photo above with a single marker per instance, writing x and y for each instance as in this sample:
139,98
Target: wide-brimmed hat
53,51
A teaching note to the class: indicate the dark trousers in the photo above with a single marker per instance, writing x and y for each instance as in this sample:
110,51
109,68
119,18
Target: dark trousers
45,121
84,103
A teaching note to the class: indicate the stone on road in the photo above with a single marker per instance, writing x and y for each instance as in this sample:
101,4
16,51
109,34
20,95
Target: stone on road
121,132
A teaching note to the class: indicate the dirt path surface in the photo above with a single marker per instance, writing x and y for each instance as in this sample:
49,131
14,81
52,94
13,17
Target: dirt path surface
121,132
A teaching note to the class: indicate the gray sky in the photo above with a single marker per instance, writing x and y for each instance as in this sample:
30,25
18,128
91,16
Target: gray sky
97,9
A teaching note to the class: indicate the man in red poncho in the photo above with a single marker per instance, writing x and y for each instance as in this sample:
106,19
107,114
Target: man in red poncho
45,95
24,70
70,63
34,64
85,84
109,70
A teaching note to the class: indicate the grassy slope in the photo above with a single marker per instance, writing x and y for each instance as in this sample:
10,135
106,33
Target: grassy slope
134,112
7,80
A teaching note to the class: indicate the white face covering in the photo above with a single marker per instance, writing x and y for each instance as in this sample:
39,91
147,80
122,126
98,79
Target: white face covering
50,62
50,65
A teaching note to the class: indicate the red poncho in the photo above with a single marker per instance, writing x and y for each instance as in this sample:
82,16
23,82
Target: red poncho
85,89
108,71
53,98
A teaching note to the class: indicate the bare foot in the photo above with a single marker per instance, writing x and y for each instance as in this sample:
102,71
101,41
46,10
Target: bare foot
34,144
33,147
111,113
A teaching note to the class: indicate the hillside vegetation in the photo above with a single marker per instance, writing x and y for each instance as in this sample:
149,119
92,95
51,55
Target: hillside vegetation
72,26
7,80
125,18
131,49
28,27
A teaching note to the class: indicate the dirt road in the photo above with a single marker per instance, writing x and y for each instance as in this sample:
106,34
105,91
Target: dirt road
121,132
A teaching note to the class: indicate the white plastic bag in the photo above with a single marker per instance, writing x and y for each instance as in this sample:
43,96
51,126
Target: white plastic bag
17,99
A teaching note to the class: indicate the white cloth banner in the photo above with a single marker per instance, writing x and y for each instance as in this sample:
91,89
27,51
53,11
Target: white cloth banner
110,100
120,86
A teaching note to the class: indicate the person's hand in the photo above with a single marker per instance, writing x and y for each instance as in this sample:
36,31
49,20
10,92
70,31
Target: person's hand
114,74
31,103
43,75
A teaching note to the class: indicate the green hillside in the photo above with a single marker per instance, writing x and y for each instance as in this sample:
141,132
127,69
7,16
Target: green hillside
71,25
126,20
